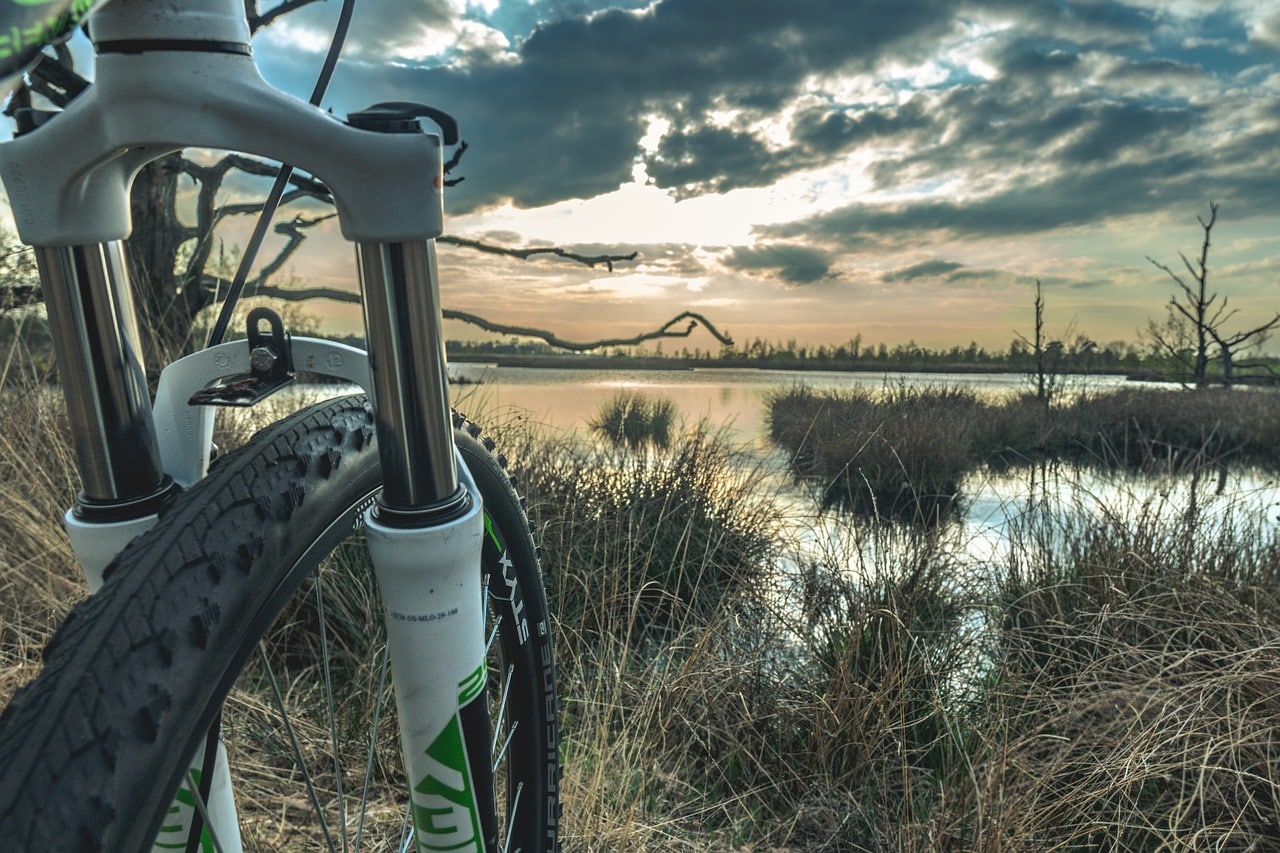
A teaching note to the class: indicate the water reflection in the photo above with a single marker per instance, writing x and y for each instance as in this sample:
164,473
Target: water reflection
1004,506
979,514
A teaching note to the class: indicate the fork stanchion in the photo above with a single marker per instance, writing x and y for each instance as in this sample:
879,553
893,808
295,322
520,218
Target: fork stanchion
99,352
410,388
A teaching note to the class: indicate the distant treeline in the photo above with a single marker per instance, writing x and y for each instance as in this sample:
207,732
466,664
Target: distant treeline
1078,356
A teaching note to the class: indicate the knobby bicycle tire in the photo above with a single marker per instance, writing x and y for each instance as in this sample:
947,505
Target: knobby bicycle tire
93,751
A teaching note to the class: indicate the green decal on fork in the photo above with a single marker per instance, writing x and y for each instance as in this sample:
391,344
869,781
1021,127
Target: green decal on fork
446,815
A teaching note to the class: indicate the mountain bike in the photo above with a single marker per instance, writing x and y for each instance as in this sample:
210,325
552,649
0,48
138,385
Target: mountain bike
219,690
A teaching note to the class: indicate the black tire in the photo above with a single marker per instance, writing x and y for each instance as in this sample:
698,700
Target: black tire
93,751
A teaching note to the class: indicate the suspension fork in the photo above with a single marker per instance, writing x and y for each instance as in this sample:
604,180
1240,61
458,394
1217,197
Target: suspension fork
99,356
434,612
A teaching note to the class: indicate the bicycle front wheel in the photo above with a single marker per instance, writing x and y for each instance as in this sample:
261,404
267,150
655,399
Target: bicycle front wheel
252,603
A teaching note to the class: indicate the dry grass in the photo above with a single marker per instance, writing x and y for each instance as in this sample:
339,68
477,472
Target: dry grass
635,420
39,579
898,453
1109,682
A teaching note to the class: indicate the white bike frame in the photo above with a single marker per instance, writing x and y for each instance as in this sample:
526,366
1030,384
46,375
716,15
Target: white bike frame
180,74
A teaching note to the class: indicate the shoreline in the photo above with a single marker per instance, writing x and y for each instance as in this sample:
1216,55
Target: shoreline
601,362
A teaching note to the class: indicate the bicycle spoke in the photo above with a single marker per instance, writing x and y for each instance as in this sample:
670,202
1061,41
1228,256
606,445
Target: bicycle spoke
502,710
493,635
505,745
201,807
333,717
373,743
406,837
278,698
511,816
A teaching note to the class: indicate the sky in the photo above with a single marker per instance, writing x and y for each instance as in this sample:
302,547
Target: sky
819,169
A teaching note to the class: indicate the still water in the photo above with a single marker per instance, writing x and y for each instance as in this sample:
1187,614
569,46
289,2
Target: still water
995,504
569,399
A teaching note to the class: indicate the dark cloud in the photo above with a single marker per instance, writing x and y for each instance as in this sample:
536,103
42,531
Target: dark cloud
1084,22
824,131
562,117
1155,71
1244,175
1108,130
924,269
1033,57
791,263
714,159
1064,133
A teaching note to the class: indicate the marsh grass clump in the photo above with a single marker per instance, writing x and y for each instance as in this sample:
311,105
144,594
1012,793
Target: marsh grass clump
1168,429
889,656
899,453
1132,692
903,453
633,419
644,543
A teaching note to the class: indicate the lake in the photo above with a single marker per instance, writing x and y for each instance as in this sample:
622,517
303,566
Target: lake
993,504
569,399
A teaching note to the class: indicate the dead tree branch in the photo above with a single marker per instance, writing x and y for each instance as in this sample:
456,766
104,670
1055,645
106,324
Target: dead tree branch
293,231
524,254
667,330
452,163
259,20
19,296
1202,320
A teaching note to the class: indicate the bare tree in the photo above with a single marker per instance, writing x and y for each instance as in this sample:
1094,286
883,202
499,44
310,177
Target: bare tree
1230,346
1196,317
1049,357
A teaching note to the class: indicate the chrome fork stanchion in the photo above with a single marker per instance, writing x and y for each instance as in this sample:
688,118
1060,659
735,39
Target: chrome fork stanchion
99,353
410,389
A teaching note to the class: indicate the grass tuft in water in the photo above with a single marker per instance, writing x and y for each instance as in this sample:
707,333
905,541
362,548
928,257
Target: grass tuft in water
633,420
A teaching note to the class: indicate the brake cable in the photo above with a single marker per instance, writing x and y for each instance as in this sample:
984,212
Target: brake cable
277,189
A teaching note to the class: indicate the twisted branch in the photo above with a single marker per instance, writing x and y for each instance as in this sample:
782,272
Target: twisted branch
524,254
666,330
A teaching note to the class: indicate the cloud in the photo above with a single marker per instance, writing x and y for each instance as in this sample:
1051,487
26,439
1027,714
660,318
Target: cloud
713,160
562,115
1086,111
924,269
790,263
1266,31
1158,70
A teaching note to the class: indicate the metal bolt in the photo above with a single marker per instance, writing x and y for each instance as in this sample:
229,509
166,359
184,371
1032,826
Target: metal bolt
262,359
